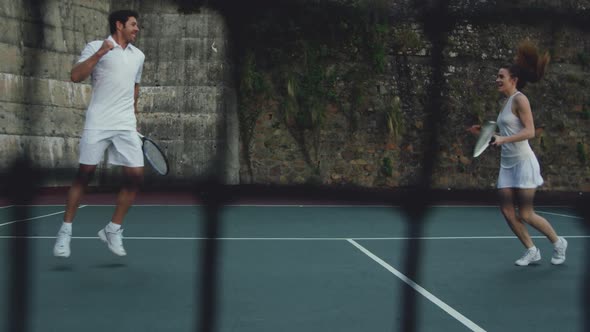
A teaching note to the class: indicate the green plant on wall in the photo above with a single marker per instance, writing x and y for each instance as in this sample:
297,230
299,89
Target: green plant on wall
315,86
477,103
372,33
290,103
254,90
252,81
288,60
387,167
378,42
581,150
485,105
308,88
584,59
357,99
479,109
586,112
253,87
406,40
543,144
393,118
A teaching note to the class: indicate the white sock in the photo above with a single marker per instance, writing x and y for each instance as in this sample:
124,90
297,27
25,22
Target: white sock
558,242
533,248
66,227
112,227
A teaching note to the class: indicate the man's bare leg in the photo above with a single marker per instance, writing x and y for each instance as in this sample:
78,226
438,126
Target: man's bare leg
134,178
112,233
64,235
77,190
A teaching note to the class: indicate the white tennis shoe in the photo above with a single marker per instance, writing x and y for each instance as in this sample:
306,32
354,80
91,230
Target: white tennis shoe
559,252
114,240
530,256
62,244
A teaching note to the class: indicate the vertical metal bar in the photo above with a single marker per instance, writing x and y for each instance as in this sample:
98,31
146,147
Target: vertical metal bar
436,26
207,294
584,211
19,275
414,210
214,197
20,189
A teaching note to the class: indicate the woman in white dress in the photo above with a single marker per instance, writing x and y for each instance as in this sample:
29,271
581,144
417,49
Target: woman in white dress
520,173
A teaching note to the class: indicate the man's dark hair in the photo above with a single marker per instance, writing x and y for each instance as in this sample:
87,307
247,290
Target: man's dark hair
120,16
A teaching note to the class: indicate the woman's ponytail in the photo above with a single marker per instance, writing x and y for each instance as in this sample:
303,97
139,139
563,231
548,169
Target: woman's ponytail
529,65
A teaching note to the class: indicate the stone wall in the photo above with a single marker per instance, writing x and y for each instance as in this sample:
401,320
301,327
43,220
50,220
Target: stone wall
42,112
354,145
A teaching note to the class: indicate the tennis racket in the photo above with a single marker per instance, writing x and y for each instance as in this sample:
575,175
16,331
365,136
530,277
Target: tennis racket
486,136
154,155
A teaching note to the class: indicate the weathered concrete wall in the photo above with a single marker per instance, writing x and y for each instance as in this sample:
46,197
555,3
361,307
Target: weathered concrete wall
42,112
186,101
187,98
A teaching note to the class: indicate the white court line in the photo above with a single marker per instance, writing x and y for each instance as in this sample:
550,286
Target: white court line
38,217
559,214
4,207
186,238
310,206
454,313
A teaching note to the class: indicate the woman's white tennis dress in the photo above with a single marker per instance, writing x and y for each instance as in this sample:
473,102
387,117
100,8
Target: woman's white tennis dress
519,167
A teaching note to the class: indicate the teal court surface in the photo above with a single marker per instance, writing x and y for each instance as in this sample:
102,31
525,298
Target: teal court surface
296,268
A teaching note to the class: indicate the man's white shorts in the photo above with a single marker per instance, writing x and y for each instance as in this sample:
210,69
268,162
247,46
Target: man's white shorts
123,147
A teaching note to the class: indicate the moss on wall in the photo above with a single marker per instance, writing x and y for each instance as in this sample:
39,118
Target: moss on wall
332,70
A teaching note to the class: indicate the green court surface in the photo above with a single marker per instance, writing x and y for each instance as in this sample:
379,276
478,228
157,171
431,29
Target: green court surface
297,268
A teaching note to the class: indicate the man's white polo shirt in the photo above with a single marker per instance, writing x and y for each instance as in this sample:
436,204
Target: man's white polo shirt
113,84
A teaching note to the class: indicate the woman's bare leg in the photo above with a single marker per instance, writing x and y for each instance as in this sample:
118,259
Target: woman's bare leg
507,196
527,213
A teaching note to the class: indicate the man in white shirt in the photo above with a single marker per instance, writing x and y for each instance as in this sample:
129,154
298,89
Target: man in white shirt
115,67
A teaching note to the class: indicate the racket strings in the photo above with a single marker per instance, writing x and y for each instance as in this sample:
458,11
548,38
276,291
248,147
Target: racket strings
155,157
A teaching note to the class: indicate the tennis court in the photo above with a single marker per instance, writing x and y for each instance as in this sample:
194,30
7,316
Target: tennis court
311,151
295,267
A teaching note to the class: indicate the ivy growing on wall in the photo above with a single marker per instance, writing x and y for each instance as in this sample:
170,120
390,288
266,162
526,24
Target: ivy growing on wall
254,91
393,118
282,56
581,150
